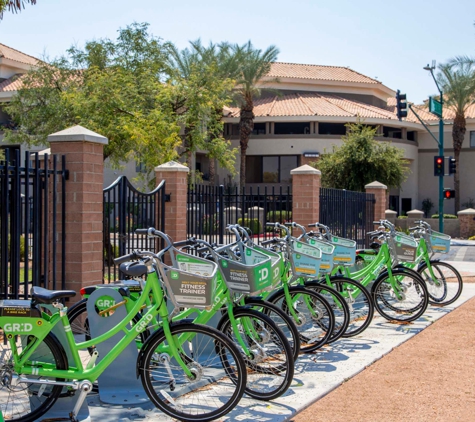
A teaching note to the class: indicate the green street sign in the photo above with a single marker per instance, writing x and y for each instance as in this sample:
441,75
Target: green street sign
435,107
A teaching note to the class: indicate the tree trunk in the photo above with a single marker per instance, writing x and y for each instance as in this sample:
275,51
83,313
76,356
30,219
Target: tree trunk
246,125
212,170
458,135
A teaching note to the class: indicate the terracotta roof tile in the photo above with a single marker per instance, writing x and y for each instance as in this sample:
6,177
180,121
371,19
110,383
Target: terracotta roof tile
18,56
318,72
313,104
12,84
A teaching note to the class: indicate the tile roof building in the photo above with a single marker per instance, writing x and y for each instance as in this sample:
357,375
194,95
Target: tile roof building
307,117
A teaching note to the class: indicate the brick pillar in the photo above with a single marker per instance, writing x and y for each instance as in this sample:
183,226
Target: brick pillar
84,152
176,184
306,195
467,223
381,204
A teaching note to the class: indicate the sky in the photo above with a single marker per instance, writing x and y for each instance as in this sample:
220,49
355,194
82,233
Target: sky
384,39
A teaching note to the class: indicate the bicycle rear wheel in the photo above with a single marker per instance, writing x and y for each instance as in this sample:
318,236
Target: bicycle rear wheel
310,312
270,364
338,304
401,297
443,282
219,373
25,402
359,303
280,318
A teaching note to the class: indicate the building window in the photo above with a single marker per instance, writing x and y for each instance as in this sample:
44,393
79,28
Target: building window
392,132
140,167
331,129
472,139
292,128
412,135
270,168
259,129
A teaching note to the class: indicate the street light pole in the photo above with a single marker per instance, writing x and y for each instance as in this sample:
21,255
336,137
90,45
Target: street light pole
441,148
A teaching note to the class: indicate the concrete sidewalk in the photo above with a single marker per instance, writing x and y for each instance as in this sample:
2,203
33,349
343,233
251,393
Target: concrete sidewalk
315,374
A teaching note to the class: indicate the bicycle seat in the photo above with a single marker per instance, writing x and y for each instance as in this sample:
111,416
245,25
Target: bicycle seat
133,269
41,295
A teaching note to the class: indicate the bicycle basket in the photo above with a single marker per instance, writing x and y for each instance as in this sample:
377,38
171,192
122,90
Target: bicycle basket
252,277
326,263
191,281
345,251
305,259
277,263
438,242
404,247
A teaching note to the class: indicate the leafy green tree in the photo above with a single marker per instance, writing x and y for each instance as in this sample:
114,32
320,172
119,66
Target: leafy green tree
457,81
362,160
13,5
254,65
116,88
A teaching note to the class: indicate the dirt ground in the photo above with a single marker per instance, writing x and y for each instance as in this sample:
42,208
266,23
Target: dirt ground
431,377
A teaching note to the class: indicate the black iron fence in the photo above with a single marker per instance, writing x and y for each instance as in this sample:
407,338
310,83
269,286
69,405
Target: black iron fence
125,210
348,214
30,214
211,208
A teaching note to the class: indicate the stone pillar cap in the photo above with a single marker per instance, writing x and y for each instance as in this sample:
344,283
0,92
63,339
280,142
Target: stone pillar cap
172,166
468,211
390,212
375,185
77,133
415,212
305,169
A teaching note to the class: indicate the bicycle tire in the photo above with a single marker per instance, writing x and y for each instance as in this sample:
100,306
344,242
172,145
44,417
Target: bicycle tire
224,366
314,330
270,369
281,319
450,287
24,402
408,304
339,306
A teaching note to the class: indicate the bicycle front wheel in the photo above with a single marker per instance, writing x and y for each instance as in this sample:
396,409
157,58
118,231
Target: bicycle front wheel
401,296
265,349
218,373
28,401
443,282
311,313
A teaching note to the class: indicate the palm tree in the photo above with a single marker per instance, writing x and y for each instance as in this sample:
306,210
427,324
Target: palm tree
13,5
457,80
254,65
225,65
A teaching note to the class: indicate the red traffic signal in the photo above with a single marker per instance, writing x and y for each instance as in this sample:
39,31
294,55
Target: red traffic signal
439,167
449,193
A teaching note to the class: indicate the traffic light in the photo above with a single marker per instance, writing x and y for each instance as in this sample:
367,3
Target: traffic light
452,165
401,105
439,167
449,193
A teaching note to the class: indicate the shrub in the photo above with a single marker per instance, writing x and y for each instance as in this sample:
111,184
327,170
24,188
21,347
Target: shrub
253,223
446,216
427,206
401,217
114,251
471,238
22,247
279,216
210,224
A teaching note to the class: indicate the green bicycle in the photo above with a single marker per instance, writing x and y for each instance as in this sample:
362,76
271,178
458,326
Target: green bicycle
184,367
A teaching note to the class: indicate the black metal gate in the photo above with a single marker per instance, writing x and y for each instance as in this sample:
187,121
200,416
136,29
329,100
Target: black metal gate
211,208
125,210
29,216
348,214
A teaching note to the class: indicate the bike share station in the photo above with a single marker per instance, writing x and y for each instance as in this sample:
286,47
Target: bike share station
119,384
